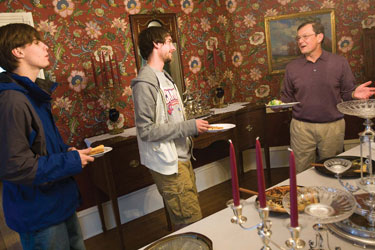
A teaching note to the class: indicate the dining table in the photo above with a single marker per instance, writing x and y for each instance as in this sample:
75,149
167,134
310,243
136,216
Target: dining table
226,235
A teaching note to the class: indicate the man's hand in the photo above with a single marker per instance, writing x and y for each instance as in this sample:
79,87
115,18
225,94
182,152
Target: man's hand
202,126
84,155
363,92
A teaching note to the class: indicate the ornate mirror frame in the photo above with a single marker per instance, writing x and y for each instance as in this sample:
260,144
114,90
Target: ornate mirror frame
140,22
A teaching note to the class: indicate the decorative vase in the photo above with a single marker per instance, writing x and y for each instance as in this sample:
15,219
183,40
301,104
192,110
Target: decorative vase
114,124
219,92
113,115
219,98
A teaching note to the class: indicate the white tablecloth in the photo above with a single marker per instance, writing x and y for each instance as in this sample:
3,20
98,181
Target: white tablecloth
228,236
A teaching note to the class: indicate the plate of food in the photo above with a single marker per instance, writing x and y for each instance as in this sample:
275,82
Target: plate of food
99,151
279,104
274,198
220,127
353,172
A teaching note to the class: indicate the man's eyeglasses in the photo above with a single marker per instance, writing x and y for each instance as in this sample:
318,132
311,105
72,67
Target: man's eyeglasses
304,37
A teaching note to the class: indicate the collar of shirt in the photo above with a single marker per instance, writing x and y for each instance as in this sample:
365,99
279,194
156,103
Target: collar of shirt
324,56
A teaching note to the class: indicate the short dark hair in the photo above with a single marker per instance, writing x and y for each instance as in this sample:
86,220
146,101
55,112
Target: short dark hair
12,36
317,26
148,37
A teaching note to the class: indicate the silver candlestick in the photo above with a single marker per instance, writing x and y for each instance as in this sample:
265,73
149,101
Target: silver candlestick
295,242
264,228
238,218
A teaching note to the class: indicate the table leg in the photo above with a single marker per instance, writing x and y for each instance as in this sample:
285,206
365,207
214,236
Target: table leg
113,196
100,209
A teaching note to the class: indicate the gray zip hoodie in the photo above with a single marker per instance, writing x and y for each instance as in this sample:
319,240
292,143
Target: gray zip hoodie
156,131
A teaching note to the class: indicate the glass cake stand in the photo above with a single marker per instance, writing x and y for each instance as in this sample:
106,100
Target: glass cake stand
361,108
322,205
364,109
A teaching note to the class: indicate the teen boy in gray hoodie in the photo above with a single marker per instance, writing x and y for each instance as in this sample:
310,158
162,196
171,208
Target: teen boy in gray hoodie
163,132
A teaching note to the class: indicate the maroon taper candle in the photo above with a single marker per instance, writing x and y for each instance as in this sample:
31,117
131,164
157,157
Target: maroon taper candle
233,170
214,56
118,70
111,67
94,71
105,69
293,191
260,175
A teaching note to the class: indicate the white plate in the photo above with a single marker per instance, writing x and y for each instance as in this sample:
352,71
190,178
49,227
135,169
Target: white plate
225,127
284,105
106,150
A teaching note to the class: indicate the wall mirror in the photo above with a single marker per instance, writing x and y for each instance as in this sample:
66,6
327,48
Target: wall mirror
169,21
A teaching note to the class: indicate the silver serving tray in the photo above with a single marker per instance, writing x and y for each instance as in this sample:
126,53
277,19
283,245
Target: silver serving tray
184,241
356,230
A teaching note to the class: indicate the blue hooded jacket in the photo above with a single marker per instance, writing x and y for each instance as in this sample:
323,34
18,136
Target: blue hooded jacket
35,167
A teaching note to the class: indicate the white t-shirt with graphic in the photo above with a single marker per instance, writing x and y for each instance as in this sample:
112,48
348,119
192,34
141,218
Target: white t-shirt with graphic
175,113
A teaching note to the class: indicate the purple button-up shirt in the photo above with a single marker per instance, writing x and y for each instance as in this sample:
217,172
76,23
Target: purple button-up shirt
318,86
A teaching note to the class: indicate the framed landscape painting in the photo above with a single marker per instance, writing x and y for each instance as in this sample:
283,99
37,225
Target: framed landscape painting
281,32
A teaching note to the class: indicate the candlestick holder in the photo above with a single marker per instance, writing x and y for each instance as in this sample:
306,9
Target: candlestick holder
264,228
295,242
238,218
110,87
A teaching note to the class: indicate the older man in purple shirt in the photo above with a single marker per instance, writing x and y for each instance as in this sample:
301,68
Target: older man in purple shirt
319,80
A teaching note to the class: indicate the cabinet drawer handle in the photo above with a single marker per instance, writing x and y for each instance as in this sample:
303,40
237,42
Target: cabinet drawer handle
249,128
134,163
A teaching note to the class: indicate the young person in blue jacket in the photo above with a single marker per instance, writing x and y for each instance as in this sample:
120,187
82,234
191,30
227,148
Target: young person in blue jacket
40,196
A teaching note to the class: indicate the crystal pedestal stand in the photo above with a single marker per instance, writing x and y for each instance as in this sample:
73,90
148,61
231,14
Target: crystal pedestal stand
364,109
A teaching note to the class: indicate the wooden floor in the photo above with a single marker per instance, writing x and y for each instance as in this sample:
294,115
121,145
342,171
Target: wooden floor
151,227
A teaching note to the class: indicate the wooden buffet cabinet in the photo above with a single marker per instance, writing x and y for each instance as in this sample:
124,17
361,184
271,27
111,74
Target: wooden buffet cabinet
369,53
119,172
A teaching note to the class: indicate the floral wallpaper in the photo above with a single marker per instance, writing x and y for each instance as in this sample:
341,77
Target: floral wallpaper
76,30
223,41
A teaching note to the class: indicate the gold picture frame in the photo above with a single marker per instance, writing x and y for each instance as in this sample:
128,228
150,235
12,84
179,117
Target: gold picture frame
282,30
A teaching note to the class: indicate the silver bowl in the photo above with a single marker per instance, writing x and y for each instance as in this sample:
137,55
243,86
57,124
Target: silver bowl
322,204
361,108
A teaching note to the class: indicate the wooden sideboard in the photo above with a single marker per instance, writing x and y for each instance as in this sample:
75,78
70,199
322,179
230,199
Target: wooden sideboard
369,53
119,172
